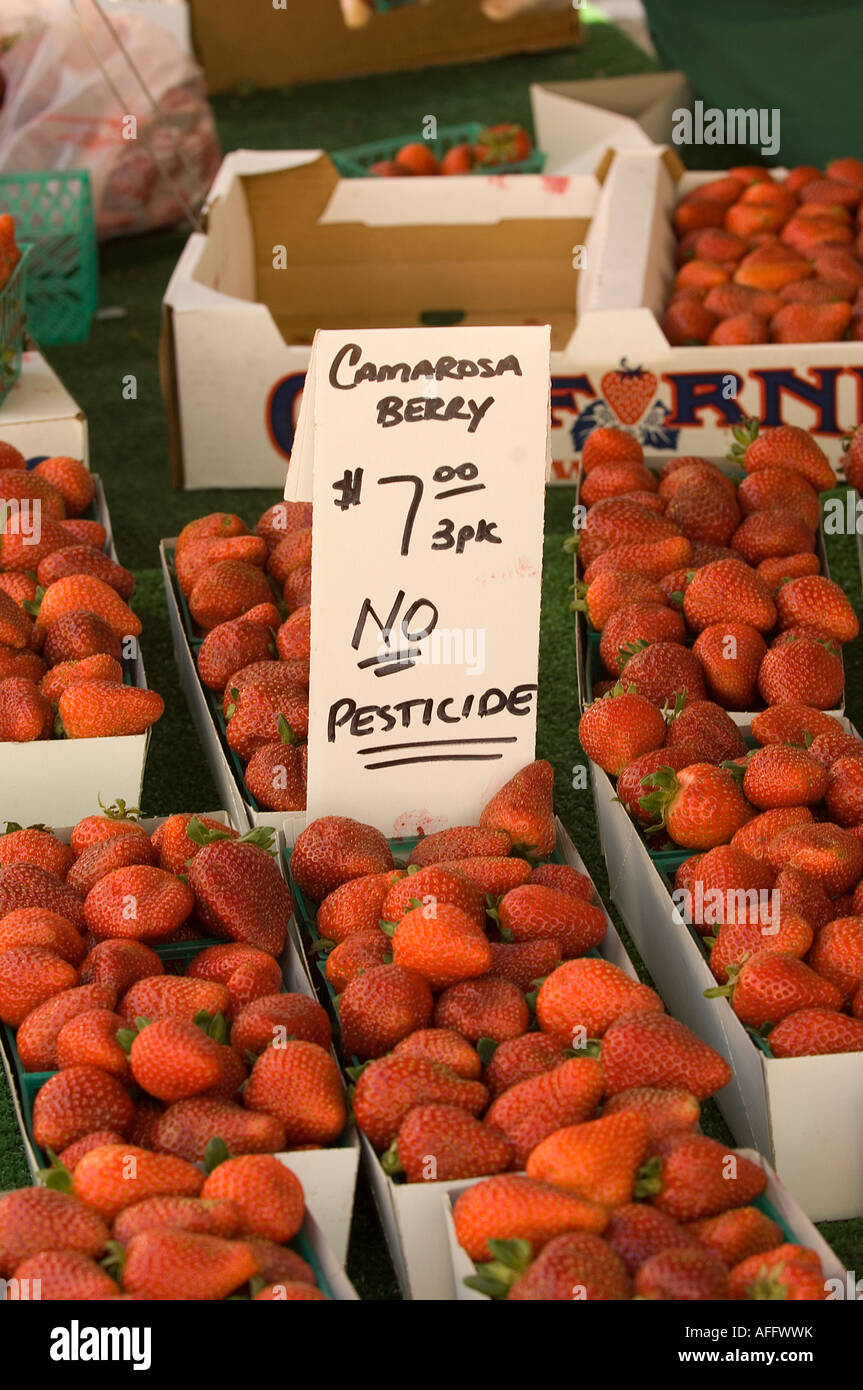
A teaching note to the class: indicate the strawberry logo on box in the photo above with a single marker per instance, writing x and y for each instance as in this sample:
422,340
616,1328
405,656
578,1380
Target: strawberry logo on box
628,398
629,391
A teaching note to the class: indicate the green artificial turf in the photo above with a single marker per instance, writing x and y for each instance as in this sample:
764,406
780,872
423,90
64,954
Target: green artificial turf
129,449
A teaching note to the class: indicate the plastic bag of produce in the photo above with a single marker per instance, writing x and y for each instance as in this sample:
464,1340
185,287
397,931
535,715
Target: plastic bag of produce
120,99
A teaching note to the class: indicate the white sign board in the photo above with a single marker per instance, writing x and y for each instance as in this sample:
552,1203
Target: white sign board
425,453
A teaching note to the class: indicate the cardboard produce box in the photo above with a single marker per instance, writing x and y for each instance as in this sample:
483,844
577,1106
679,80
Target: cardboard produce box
792,1109
289,247
281,44
39,417
775,1201
683,399
575,122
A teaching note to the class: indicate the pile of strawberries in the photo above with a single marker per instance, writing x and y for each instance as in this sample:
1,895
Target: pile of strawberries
249,595
180,1072
763,259
65,621
494,148
688,552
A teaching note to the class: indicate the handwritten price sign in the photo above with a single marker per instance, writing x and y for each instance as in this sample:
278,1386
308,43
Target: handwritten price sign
425,454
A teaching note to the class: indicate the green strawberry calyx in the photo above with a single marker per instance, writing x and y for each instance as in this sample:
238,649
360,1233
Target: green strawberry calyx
231,709
733,970
648,1182
656,803
214,1025
631,649
495,1278
486,1047
126,1036
286,733
215,1153
744,434
56,1176
390,1161
114,1259
118,810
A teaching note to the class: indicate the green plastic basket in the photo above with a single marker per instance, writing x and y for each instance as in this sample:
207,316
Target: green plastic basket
13,317
355,163
54,212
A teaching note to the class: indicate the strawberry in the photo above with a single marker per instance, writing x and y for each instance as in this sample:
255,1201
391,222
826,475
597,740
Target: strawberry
612,591
791,721
28,486
662,672
274,1018
651,1049
257,717
26,885
85,559
38,1036
802,896
846,170
120,964
523,808
832,856
173,997
531,1110
213,1217
688,469
174,1060
576,1265
102,709
630,788
380,1007
355,906
779,531
780,775
71,1156
818,602
726,190
15,625
615,479
444,1046
182,836
621,520
198,556
84,532
35,846
705,726
492,877
139,902
620,727
816,1031
240,894
652,559
90,1039
279,1263
728,591
510,1207
787,1272
766,988
441,943
533,911
633,625
171,1264
78,635
608,444
730,654
433,886
99,667
704,509
489,1007
838,956
810,323
188,1126
72,479
14,661
281,519
738,330
66,1275
25,714
582,998
443,1143
844,798
665,1111
276,775
629,391
21,553
10,457
85,592
598,1160
700,806
229,646
521,1059
637,1232
737,1235
460,842
727,301
391,1086
776,486
29,976
227,590
497,144
730,885
39,1219
292,551
333,849
735,942
523,962
122,852
688,1273
565,879
789,446
246,973
293,638
691,1176
215,524
299,1083
417,158
76,1101
33,926
688,322
833,743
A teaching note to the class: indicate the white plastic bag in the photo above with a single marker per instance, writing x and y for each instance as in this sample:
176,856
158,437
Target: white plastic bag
70,94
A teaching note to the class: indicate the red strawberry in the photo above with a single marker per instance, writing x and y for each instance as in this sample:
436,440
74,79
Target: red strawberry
460,842
783,776
84,592
786,445
523,808
630,788
652,559
71,1156
510,1207
169,1264
119,853
15,625
431,887
279,1263
534,911
140,902
66,1275
565,879
215,1217
173,997
182,836
691,1177
299,1083
199,556
777,568
814,1032
333,849
10,457
119,964
188,1126
651,1049
29,976
29,487
778,487
832,856
612,591
391,1086
76,1101
582,998
21,550
787,1272
293,638
818,602
25,714
621,520
293,550
831,745
444,1046
577,1265
100,667
101,709
90,1039
779,531
730,655
728,591
688,1273
442,1143
727,884
810,323
489,1007
682,470
85,559
174,1060
257,716
608,444
767,988
274,1018
662,672
72,479
688,322
240,894
735,942
838,956
531,1110
78,635
599,1159
246,973
38,1035
700,806
738,330
665,1111
754,837
276,775
227,590
710,729
524,962
636,1232
704,510
629,391
230,646
521,1059
38,1219
802,896
614,480
282,518
736,1235
33,926
15,661
790,722
618,728
380,1007
637,623
355,906
441,943
26,885
35,846
493,877
84,532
